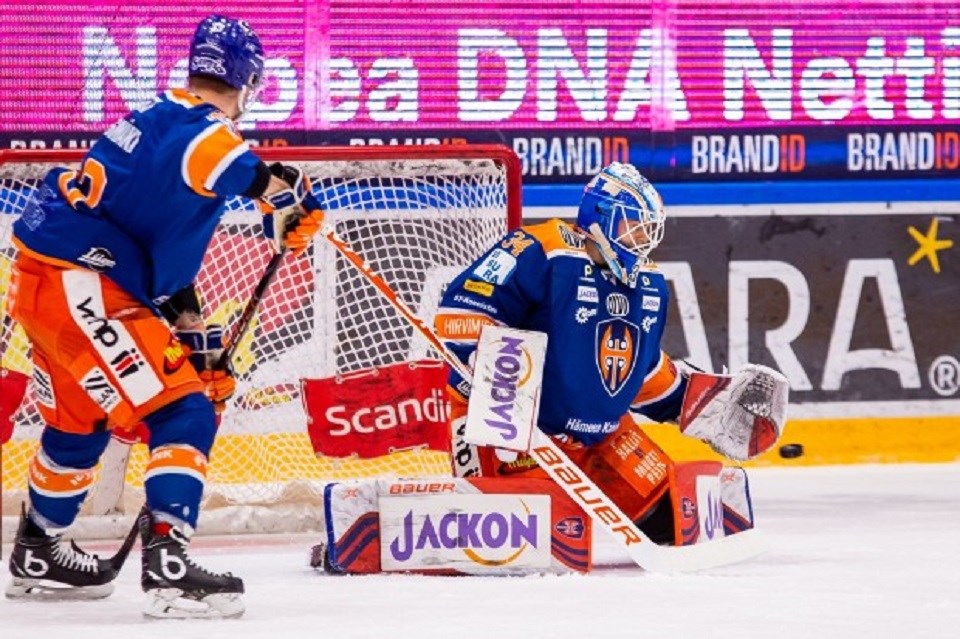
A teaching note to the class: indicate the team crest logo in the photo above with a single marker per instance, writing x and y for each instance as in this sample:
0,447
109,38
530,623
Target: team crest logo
571,527
617,341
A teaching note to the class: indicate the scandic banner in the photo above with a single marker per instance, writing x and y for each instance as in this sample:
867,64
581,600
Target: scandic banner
375,412
617,64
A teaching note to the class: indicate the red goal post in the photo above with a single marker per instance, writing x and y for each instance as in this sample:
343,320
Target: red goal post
416,214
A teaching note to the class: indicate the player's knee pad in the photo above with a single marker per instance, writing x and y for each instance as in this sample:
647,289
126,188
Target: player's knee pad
190,420
61,474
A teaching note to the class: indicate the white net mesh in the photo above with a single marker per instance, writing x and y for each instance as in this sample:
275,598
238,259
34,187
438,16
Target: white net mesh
415,219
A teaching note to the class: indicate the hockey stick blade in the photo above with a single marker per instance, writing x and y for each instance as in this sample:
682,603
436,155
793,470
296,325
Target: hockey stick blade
598,506
120,557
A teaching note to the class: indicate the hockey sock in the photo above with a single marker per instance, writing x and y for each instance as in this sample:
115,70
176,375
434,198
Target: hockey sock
181,436
61,474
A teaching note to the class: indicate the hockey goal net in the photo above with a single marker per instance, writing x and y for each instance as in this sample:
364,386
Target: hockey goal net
416,214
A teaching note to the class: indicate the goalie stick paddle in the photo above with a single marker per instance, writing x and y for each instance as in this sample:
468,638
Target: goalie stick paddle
598,506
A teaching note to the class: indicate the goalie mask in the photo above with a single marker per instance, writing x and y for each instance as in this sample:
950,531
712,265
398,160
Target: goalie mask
624,214
229,51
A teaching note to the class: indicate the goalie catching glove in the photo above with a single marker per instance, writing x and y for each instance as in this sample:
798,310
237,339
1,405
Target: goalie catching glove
740,416
204,348
291,216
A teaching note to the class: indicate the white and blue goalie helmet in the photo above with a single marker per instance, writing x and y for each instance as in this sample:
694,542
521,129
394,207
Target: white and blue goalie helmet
624,214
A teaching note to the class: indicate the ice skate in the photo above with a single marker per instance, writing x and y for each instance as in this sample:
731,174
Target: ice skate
177,587
45,567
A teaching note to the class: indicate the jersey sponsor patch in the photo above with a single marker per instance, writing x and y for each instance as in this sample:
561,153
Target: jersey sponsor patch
583,314
174,356
480,288
651,303
100,390
43,387
109,337
648,322
587,294
457,326
618,305
496,267
98,259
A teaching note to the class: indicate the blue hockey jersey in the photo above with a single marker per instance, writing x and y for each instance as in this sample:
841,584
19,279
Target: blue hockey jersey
603,346
145,201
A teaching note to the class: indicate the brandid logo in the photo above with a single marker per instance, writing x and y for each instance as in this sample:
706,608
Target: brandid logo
489,530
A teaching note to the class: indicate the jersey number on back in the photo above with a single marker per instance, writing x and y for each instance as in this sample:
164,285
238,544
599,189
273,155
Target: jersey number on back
87,186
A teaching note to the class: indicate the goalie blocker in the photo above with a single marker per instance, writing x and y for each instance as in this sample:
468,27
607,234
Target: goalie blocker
525,525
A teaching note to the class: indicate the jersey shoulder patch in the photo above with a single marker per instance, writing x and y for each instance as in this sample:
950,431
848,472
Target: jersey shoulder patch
496,267
557,236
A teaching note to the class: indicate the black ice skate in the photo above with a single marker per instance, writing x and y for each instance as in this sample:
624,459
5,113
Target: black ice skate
176,586
44,567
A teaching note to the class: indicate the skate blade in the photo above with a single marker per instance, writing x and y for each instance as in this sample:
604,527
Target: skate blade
44,590
169,603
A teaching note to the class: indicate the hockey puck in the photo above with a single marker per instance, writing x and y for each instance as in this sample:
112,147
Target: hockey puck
790,451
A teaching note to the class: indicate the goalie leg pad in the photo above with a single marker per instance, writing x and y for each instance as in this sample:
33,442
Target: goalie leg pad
457,526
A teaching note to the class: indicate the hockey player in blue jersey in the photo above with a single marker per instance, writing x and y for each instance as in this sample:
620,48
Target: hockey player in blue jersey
108,254
593,290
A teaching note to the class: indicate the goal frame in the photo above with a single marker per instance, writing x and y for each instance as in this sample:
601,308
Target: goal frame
497,153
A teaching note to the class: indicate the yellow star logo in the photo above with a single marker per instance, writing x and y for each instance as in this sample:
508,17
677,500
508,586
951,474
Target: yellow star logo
929,245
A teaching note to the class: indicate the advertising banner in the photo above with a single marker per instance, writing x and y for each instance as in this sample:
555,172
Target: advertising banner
685,90
856,310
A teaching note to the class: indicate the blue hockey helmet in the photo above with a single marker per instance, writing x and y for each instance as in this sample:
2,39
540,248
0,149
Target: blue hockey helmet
624,214
227,50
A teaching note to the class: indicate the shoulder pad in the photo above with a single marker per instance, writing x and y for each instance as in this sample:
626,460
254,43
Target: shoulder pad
556,235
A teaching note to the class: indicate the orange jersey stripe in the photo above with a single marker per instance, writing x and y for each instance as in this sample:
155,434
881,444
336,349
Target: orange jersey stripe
659,383
208,155
179,459
184,98
49,480
40,257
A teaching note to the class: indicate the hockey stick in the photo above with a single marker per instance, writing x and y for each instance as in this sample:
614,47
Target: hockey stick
243,324
106,495
555,462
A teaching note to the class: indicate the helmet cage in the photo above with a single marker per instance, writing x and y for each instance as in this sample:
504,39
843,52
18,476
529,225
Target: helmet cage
630,215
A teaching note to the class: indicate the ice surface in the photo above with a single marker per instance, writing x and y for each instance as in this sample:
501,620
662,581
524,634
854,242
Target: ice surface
862,551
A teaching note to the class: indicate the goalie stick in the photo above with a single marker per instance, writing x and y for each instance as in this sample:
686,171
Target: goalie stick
555,462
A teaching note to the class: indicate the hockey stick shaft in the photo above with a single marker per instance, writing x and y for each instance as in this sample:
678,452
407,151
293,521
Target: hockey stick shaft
555,462
246,319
